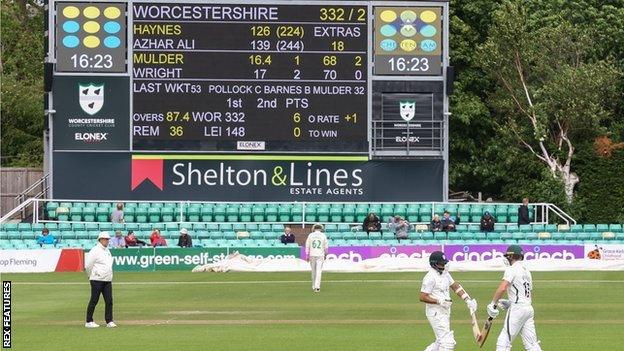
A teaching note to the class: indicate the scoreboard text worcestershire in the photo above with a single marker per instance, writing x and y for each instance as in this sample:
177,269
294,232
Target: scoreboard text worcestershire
249,77
208,76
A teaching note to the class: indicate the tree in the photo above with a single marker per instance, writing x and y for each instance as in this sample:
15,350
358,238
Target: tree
22,83
550,93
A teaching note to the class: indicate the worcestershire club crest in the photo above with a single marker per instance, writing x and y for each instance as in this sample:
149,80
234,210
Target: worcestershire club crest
407,110
91,98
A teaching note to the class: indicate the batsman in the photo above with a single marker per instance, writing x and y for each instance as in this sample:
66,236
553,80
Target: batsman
518,283
435,294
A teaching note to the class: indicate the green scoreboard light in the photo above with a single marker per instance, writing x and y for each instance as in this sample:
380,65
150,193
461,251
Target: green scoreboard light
408,41
90,37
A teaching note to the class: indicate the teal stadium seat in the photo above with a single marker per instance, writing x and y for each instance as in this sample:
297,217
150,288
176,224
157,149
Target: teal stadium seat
9,227
411,213
245,213
322,213
207,212
271,213
296,213
257,213
168,213
331,228
141,213
102,214
231,213
283,213
335,214
51,209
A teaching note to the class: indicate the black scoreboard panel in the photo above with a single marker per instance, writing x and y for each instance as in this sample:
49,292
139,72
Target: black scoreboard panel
236,77
247,76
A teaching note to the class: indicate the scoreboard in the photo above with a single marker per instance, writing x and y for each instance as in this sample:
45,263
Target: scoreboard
280,76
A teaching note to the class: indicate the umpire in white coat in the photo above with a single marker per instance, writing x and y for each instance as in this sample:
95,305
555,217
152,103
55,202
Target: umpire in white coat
99,267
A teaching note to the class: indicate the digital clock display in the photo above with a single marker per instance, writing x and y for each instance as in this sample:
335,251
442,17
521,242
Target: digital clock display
90,37
97,61
408,41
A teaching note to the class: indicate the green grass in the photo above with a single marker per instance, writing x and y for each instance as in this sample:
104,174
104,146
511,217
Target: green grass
278,311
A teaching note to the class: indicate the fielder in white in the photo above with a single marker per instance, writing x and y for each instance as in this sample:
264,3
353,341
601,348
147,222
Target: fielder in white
518,283
316,249
435,294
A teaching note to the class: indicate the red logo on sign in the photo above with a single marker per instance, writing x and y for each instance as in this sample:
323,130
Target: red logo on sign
151,170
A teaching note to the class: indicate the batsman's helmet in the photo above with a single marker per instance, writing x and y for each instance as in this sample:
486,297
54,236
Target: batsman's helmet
515,252
437,261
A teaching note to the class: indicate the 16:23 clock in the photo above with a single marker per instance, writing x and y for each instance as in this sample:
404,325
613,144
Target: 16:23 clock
89,61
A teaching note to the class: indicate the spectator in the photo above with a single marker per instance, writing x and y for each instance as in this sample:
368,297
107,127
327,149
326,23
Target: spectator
372,223
436,224
523,212
118,216
185,239
399,226
288,237
487,222
448,222
46,238
131,240
118,241
156,239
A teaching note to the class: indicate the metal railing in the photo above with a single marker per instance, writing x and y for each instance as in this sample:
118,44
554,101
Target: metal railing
42,183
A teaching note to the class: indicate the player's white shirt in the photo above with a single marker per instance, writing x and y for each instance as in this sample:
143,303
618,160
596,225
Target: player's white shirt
520,283
316,244
437,285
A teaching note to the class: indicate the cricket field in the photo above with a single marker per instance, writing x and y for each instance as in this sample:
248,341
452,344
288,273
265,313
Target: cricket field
278,311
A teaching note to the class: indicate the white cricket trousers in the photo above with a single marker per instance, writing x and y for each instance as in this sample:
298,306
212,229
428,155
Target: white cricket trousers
440,320
519,320
316,263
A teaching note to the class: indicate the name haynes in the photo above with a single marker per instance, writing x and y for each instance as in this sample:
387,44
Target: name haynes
185,173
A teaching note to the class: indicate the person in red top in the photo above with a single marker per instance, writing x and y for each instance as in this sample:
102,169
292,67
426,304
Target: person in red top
131,240
157,239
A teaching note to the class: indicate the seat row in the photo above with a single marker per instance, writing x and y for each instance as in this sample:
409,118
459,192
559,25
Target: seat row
88,244
259,212
144,235
107,226
266,227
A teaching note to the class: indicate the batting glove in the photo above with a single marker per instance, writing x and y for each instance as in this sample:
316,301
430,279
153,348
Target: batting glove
472,305
492,310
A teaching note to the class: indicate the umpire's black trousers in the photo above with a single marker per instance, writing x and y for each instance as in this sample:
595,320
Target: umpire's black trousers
106,289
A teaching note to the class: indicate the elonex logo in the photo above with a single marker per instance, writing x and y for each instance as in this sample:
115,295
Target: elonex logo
91,137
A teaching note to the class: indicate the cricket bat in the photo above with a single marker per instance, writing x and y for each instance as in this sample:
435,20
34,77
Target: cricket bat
486,331
475,327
